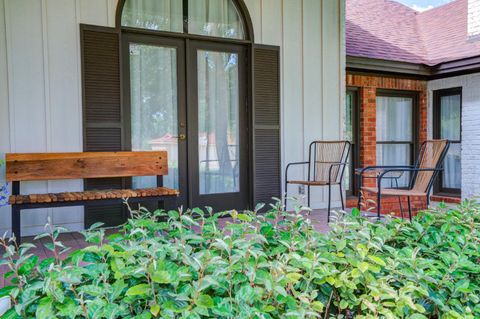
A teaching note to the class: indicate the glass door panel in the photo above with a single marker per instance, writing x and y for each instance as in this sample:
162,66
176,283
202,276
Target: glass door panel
154,106
157,106
218,122
218,119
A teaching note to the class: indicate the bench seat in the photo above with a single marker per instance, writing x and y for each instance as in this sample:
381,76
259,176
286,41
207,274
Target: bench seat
91,195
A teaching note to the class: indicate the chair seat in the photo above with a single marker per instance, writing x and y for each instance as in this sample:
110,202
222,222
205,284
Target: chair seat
311,183
394,192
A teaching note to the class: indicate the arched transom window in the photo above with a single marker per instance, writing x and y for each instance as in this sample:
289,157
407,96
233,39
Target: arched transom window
215,18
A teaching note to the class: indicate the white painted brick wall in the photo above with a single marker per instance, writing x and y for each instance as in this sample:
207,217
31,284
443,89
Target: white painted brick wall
473,18
470,127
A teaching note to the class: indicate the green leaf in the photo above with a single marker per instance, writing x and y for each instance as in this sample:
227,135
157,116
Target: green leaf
341,244
377,260
10,314
317,306
161,277
155,309
204,301
28,266
138,290
5,291
45,308
356,212
294,277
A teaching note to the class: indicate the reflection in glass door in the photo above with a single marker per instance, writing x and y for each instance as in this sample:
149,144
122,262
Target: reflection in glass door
218,117
218,166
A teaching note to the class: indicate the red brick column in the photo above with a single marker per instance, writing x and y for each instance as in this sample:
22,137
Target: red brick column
368,129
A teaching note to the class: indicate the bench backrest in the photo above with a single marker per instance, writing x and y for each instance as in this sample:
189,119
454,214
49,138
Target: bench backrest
57,166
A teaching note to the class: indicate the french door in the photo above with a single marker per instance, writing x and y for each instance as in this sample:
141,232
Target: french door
189,98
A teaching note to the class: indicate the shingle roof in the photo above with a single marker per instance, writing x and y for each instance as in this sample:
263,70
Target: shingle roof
385,29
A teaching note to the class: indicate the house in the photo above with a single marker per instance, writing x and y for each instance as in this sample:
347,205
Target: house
264,76
414,76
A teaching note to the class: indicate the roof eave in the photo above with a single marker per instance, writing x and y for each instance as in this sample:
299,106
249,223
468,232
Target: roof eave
398,68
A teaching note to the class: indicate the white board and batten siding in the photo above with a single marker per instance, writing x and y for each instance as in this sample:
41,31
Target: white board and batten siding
470,85
40,82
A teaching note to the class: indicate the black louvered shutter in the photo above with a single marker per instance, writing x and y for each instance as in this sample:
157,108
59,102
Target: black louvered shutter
102,111
266,123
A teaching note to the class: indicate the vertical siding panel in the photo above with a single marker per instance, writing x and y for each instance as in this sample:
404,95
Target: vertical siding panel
94,12
27,92
63,94
272,22
255,9
293,87
312,90
111,10
331,67
4,114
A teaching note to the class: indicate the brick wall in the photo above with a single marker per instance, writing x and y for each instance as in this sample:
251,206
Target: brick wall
367,87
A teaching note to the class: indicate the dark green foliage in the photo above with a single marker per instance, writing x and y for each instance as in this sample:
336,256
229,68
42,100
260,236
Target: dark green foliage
183,265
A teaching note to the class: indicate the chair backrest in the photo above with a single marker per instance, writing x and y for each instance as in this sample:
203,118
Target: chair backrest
58,166
325,153
431,156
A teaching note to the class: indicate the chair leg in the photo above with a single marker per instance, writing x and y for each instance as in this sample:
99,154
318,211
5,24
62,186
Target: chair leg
329,201
409,209
379,205
341,196
308,194
16,223
286,194
401,208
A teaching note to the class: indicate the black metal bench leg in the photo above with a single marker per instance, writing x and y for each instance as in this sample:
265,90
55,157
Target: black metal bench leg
16,222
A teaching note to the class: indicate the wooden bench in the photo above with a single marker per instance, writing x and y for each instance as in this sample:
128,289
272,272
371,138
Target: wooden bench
62,166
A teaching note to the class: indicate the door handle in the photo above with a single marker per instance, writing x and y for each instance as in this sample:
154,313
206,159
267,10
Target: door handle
182,137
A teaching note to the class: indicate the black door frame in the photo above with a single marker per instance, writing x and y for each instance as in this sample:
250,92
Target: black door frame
179,45
355,153
437,95
222,201
187,116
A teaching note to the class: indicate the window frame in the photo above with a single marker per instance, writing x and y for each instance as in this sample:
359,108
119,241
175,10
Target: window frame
355,148
436,109
239,5
414,143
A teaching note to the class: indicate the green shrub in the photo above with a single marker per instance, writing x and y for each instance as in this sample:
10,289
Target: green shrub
183,265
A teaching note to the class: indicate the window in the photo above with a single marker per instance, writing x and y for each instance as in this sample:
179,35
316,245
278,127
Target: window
214,18
350,134
396,133
447,113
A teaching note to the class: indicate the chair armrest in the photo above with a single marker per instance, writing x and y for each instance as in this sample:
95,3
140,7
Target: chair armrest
403,169
369,168
293,164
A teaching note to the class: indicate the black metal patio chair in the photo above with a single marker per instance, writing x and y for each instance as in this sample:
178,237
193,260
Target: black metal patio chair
326,167
422,175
